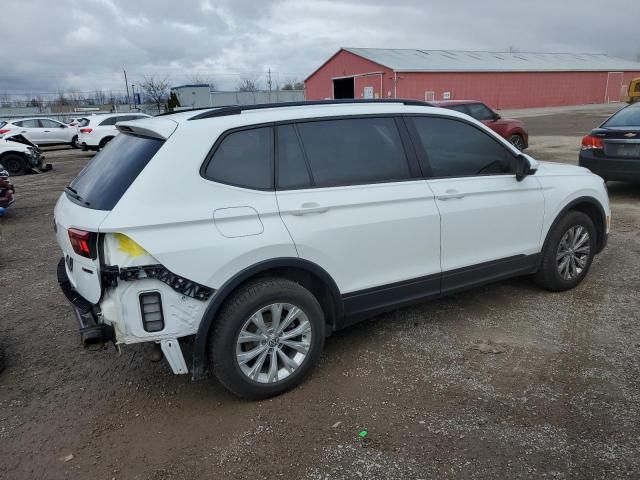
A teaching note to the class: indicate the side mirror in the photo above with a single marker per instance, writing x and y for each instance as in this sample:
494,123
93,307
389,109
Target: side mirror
525,165
496,116
63,126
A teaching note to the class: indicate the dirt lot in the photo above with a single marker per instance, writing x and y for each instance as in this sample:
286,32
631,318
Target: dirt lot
560,400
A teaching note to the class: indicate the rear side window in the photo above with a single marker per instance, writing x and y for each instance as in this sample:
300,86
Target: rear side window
354,151
110,121
245,159
104,180
83,122
627,117
31,123
452,148
458,108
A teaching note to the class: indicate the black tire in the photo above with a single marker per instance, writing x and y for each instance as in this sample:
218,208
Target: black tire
548,275
517,141
14,164
104,142
241,306
74,142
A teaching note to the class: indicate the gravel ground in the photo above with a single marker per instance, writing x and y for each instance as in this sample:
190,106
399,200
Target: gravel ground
504,381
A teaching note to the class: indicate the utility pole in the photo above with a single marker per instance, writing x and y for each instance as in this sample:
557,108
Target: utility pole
133,94
269,79
127,86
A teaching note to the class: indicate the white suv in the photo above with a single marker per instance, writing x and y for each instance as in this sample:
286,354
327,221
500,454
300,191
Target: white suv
98,130
252,233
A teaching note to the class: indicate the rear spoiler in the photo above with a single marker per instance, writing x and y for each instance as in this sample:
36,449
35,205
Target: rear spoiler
161,128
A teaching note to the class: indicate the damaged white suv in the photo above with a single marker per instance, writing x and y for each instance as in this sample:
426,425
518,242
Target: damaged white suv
252,233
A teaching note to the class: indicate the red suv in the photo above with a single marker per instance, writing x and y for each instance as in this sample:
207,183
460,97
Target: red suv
509,128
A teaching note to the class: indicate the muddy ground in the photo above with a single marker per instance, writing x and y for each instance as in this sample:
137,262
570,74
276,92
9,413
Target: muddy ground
560,398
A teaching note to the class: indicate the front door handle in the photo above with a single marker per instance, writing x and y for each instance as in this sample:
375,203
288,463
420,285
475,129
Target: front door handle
451,194
309,207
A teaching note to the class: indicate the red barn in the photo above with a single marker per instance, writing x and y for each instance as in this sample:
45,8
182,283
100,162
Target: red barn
501,80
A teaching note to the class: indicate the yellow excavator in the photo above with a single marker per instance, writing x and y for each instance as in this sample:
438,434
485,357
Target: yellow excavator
634,90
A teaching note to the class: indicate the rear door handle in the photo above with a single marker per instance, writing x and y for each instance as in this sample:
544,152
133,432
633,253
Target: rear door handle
451,194
309,207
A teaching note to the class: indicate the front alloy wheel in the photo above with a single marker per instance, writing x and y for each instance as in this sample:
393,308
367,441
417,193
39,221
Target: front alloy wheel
273,342
517,141
568,252
573,252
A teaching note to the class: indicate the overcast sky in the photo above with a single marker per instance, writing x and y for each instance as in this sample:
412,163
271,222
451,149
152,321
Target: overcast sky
83,45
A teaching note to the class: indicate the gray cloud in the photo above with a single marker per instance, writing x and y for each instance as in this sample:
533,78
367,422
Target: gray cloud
67,44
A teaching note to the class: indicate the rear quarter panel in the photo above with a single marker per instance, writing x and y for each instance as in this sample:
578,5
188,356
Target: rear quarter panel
170,209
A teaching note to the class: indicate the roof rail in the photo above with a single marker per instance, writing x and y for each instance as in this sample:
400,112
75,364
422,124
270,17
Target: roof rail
238,109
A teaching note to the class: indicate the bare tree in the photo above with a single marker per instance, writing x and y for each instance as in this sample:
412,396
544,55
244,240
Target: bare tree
99,97
293,84
197,79
248,84
5,100
512,49
156,89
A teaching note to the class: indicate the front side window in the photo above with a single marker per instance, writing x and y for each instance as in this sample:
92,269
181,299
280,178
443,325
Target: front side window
244,158
46,123
354,151
459,108
452,148
480,111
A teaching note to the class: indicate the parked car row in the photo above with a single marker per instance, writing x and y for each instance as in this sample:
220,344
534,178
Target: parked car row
91,132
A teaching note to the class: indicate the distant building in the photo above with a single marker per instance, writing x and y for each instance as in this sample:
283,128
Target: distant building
198,96
500,79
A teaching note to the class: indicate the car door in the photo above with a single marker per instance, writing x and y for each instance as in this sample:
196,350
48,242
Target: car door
491,222
54,132
355,206
31,130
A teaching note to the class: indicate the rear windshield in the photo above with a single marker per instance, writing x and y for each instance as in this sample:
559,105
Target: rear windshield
627,117
101,184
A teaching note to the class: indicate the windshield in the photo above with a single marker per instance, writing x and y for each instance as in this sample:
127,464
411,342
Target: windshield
627,117
101,183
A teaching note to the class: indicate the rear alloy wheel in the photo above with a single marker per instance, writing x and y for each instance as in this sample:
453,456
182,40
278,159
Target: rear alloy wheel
568,253
517,141
14,164
267,338
74,142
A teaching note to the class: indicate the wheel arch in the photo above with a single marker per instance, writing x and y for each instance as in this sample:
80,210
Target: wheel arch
308,274
591,207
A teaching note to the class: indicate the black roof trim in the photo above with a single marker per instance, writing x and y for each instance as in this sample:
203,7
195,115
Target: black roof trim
238,109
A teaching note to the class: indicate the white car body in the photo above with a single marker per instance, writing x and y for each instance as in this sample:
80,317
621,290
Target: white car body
102,128
13,144
376,245
41,131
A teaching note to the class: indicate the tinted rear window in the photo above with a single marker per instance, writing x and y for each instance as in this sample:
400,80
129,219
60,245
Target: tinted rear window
101,184
627,117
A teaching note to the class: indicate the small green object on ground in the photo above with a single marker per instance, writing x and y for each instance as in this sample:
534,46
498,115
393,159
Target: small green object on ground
363,434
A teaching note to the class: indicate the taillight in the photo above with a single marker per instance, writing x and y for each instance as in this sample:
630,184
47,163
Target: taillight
3,131
83,243
86,130
592,143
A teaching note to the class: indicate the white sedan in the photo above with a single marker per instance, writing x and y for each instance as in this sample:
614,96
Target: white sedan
41,131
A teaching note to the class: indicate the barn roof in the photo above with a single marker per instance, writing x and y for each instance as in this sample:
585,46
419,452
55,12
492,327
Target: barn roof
410,60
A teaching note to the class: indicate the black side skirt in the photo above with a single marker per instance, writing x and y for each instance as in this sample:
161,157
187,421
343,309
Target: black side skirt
373,301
